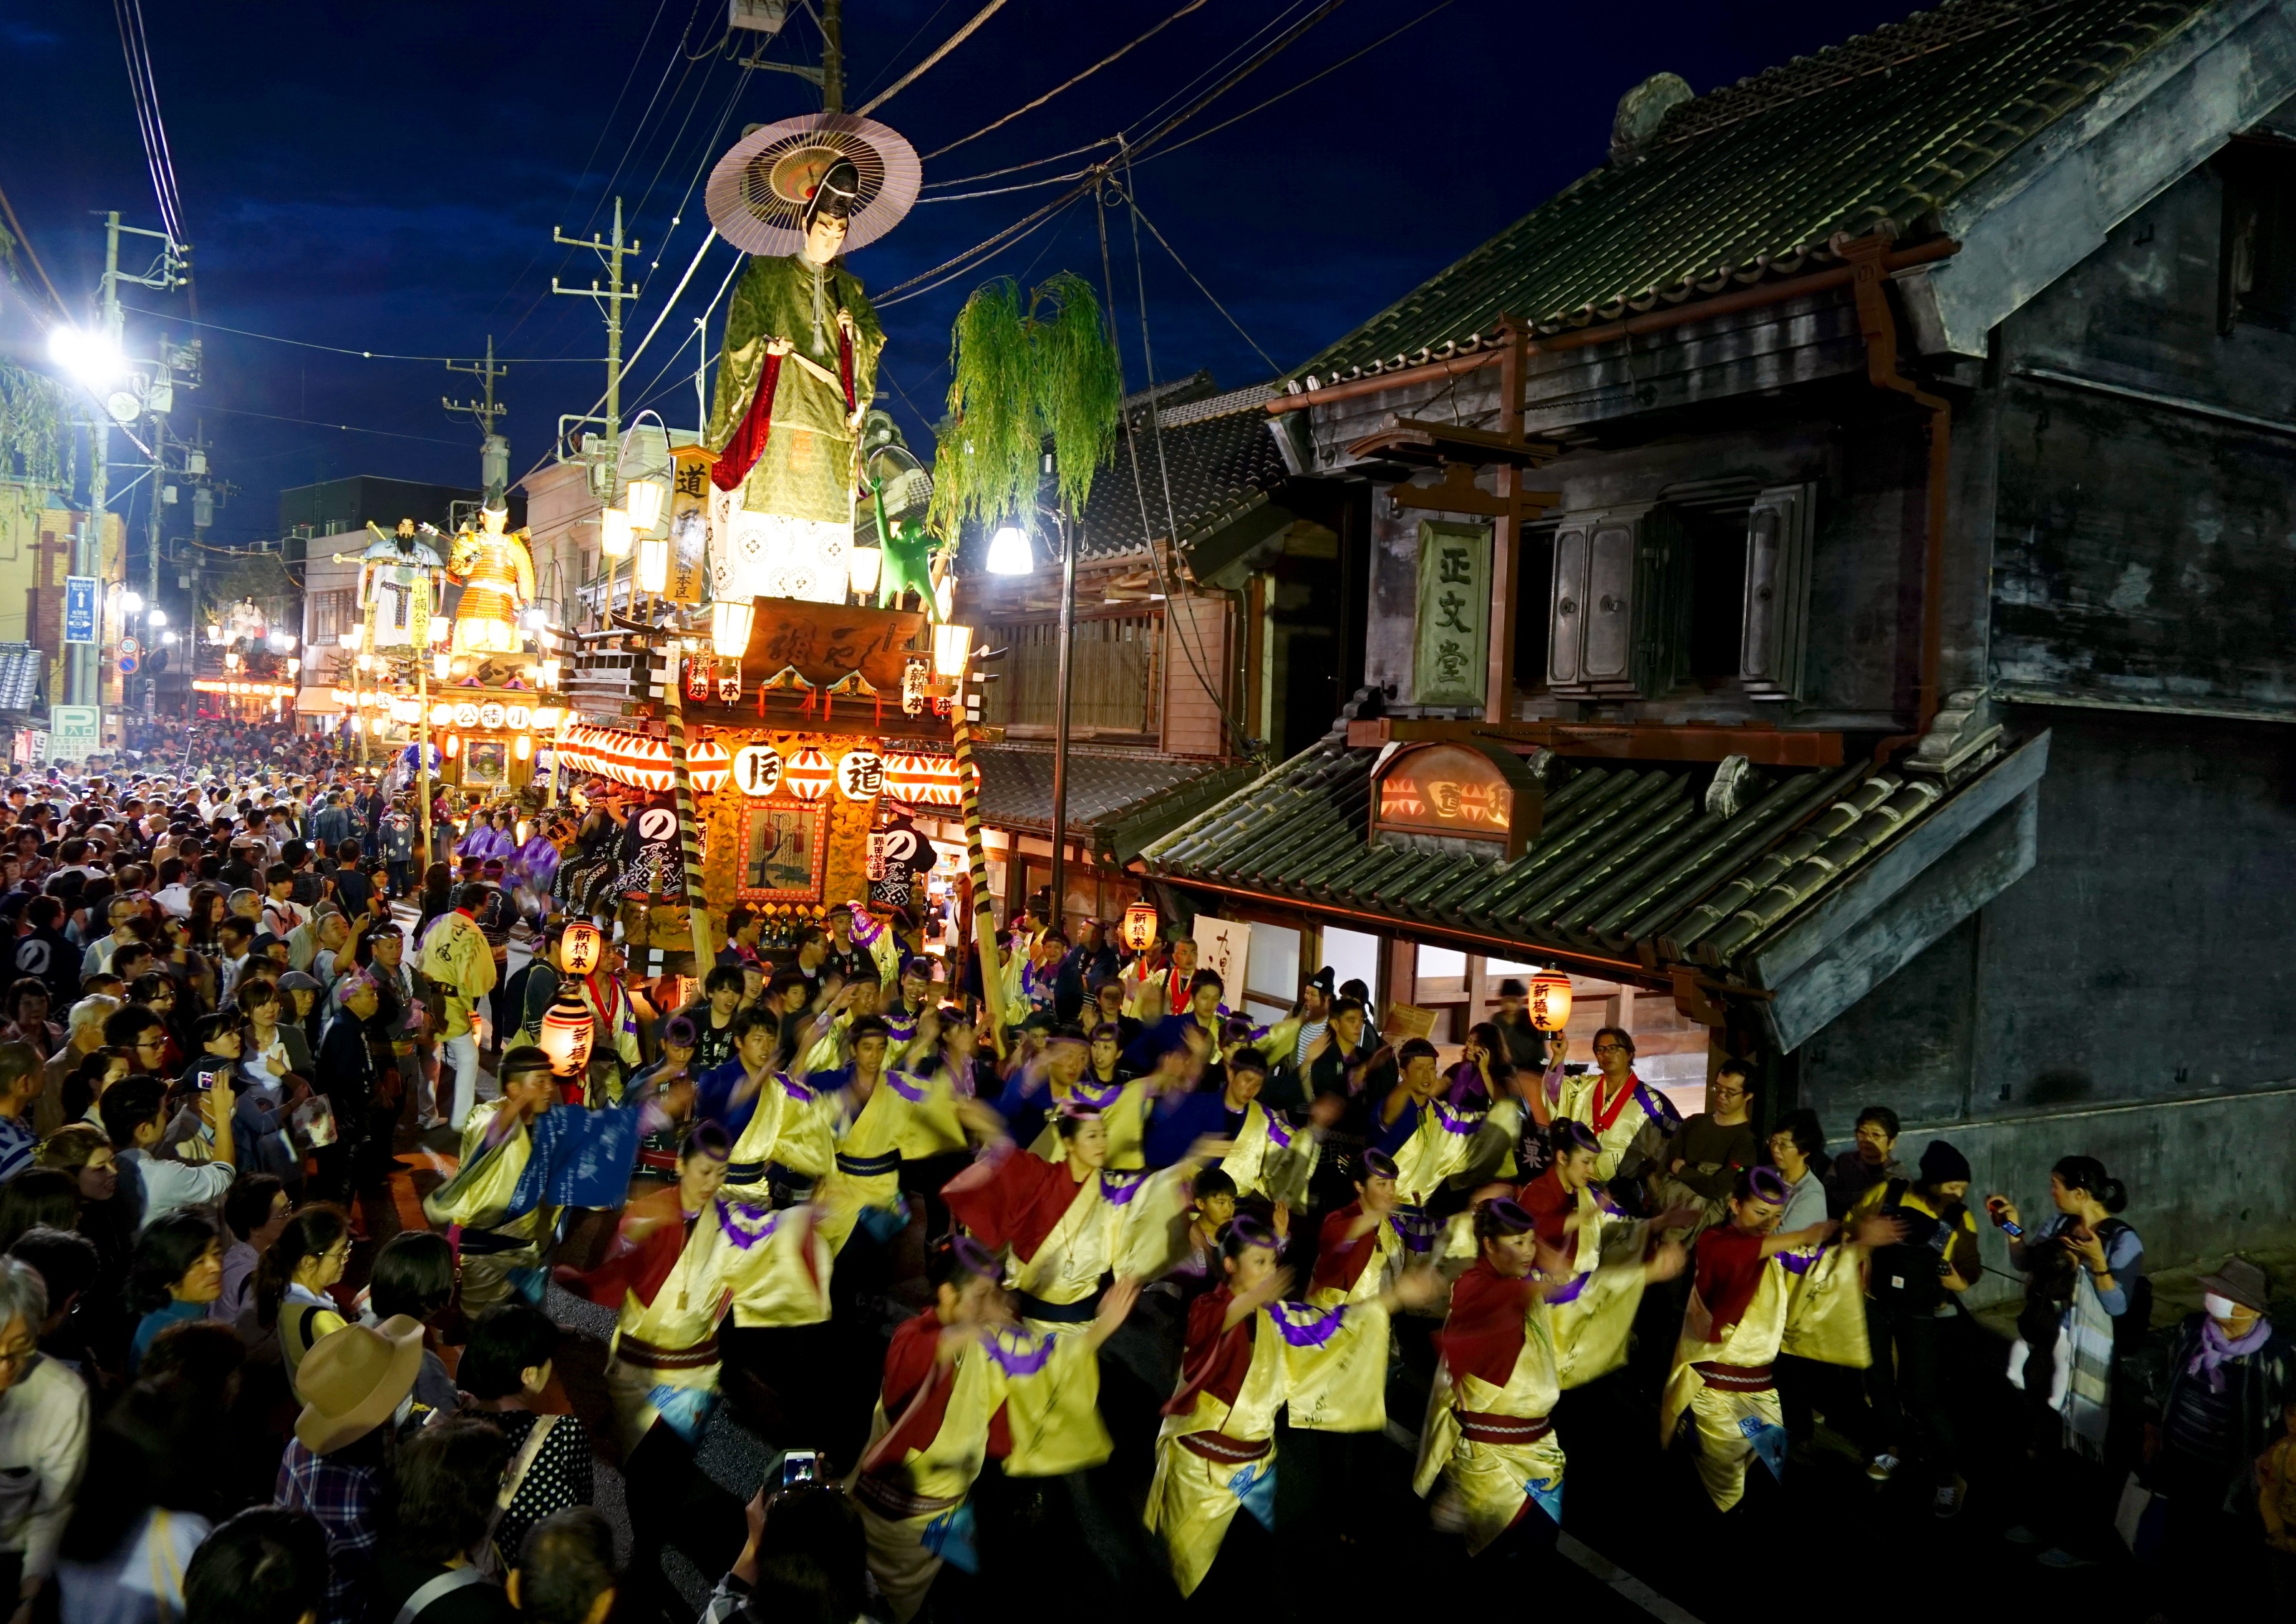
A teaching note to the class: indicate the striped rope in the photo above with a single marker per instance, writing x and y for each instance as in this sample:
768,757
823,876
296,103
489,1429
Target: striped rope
689,840
984,922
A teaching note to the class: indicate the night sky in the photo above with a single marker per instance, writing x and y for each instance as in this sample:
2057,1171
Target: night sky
386,178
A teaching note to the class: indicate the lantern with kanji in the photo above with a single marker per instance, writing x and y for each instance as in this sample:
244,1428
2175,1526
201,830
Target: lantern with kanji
700,677
808,774
582,948
1550,1000
1140,926
567,1034
860,774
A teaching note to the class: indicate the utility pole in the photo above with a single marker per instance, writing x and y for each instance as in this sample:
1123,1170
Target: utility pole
80,673
833,56
483,412
611,298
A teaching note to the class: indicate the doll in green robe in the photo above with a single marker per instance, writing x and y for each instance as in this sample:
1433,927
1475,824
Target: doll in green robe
794,382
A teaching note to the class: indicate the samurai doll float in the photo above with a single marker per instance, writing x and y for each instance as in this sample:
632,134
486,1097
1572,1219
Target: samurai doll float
497,572
800,363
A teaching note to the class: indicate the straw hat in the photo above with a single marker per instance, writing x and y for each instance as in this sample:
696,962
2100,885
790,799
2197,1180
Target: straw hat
353,1379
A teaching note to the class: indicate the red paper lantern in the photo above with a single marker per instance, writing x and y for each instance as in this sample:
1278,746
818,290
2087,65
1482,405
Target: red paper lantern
1140,926
1550,1000
923,781
582,948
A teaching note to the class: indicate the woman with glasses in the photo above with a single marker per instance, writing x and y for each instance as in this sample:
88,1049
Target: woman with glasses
290,1283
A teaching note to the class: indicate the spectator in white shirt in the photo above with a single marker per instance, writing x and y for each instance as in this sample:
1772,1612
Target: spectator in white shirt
42,1436
132,1119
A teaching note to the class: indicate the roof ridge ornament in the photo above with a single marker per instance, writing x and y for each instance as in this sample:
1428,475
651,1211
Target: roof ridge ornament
1642,110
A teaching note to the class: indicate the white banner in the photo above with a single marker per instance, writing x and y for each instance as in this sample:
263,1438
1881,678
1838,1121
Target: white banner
1224,947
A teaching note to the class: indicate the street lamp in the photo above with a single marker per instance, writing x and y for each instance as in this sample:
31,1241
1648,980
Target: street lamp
157,617
92,357
1009,553
132,603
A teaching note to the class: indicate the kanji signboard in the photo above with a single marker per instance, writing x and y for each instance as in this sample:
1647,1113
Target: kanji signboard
1449,663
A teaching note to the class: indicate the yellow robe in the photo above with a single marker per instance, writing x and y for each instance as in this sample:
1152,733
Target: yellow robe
1491,1480
772,1269
1328,1365
867,1168
932,1129
1270,1158
478,1197
1810,1303
913,1508
793,1127
1117,1225
1576,1098
1445,1143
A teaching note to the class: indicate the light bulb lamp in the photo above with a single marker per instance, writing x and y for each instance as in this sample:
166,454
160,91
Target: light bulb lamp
652,576
1009,553
864,566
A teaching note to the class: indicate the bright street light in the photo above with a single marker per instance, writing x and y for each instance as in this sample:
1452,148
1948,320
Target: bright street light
1009,552
169,638
131,601
157,617
92,357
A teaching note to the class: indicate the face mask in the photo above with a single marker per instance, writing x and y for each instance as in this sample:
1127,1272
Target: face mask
2219,1308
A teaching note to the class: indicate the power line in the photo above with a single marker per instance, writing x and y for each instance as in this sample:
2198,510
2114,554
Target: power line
1034,163
1026,185
143,90
364,354
1141,215
344,428
947,45
1303,84
16,229
1078,80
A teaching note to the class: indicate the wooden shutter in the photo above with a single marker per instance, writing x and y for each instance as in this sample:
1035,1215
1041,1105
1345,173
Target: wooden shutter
1620,606
1566,609
1778,531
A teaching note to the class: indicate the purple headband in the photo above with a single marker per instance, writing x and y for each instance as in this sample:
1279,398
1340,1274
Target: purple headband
1767,1186
1501,1217
679,1030
1379,1164
973,1257
1570,1135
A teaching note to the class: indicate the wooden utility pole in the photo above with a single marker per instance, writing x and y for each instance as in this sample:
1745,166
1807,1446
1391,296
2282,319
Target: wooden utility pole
483,411
611,298
833,56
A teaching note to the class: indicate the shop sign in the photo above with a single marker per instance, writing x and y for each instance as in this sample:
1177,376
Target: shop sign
1224,947
75,731
1469,798
1452,625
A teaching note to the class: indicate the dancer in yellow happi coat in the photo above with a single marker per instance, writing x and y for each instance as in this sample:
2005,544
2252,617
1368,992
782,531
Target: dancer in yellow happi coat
1503,1367
1432,1141
1068,1226
1249,1355
497,1142
1066,1076
681,1257
964,1387
1271,1157
1759,1293
867,1110
1631,1120
782,1132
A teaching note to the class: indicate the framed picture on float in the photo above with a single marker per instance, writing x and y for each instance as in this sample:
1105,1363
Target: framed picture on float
487,762
784,850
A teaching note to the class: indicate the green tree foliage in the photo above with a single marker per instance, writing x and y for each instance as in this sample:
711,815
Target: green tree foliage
37,447
1022,371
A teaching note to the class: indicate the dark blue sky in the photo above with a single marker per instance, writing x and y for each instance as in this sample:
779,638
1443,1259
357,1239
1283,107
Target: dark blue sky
387,176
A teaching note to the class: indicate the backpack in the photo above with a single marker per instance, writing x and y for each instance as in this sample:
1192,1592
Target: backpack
1909,1276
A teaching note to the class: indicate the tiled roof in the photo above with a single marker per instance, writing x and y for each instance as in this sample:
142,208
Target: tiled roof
21,665
1753,179
1634,862
1117,799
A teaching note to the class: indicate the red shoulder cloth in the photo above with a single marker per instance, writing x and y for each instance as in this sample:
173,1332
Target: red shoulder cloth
1014,1200
916,1396
1340,1261
645,1249
1483,1336
1213,1361
1730,1264
1549,1204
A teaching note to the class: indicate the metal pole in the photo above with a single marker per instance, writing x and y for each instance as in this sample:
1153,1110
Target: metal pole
984,921
1058,914
833,56
681,785
80,670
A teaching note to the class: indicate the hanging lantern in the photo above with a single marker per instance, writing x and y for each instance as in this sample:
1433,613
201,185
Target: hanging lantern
653,564
1550,1000
1140,926
808,774
698,683
729,688
952,645
707,763
517,717
454,743
522,748
491,715
582,948
441,714
442,667
861,775
645,499
729,626
567,1032
757,770
614,533
466,714
923,781
864,566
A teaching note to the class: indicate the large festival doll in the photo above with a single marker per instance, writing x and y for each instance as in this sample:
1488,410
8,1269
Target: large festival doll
794,382
497,572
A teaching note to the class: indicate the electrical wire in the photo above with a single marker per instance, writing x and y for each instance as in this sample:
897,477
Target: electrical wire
1026,185
364,355
144,91
16,230
1303,84
1140,215
1066,84
914,74
949,270
427,439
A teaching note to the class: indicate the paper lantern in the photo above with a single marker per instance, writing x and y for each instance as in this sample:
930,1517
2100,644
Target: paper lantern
865,565
729,688
923,781
466,714
517,717
491,715
582,948
860,774
653,564
567,1034
729,626
952,646
707,763
808,774
1140,926
1550,1000
454,743
757,770
614,533
522,748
